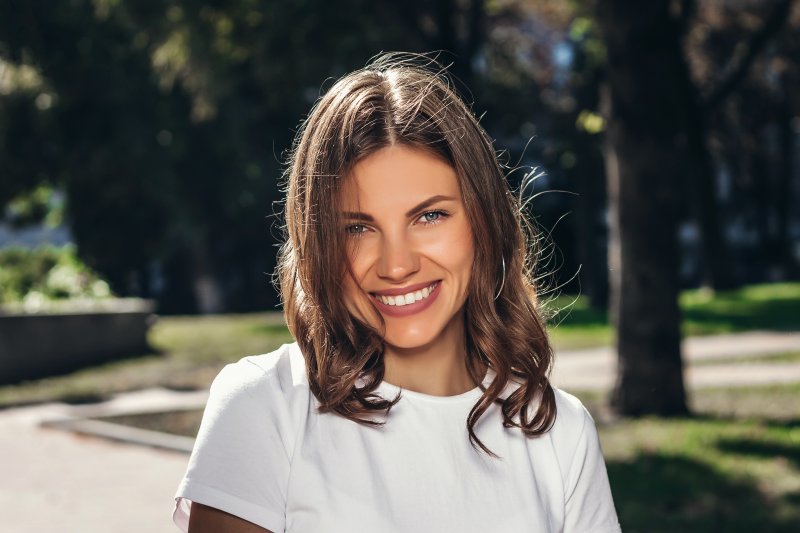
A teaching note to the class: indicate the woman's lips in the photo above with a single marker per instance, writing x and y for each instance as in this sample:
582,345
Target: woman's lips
433,290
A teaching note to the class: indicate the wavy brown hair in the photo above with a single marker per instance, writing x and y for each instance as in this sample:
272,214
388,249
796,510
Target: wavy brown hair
401,100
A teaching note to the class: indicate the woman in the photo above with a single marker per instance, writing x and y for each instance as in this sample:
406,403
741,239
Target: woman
416,397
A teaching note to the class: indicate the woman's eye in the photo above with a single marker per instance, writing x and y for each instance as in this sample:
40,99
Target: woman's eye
355,229
432,216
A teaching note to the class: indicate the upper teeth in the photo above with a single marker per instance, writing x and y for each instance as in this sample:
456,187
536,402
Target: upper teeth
408,298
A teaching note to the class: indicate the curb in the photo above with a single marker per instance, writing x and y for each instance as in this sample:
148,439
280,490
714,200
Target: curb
82,419
123,434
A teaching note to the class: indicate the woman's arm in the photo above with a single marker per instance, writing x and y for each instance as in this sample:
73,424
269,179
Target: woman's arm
205,519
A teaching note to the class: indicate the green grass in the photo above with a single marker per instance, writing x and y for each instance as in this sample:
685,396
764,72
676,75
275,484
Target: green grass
773,307
766,307
704,474
780,402
733,467
575,325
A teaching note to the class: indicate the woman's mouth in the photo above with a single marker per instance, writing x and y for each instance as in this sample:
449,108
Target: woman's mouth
407,303
409,297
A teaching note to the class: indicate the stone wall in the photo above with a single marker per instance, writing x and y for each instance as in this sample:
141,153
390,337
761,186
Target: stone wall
39,345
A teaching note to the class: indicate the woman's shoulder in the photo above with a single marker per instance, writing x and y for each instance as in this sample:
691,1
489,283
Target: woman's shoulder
280,371
572,417
569,406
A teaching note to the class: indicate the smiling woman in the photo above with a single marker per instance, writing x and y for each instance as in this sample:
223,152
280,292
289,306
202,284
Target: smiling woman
410,265
416,397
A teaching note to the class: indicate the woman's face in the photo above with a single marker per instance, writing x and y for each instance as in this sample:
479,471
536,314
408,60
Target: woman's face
410,246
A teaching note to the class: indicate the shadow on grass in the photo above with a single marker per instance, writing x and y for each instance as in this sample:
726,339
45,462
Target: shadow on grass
763,449
662,493
669,491
738,314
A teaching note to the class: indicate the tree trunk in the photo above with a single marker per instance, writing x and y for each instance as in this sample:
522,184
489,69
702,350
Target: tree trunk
701,181
787,264
645,156
590,233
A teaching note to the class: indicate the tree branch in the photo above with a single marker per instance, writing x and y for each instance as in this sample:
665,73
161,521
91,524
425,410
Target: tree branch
740,64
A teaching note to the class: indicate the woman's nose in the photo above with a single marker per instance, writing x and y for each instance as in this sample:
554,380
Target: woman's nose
398,259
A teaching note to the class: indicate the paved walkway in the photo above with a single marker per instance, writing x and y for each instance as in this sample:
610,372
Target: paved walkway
59,481
708,362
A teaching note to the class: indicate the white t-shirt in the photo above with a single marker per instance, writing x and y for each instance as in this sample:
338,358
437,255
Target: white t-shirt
265,454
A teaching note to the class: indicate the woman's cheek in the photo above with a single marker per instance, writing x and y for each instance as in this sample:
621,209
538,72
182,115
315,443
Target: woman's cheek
356,299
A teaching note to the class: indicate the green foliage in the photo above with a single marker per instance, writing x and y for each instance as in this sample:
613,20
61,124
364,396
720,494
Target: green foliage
42,204
166,123
590,122
584,32
31,276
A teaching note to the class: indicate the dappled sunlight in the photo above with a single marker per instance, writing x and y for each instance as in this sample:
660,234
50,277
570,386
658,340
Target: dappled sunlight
704,474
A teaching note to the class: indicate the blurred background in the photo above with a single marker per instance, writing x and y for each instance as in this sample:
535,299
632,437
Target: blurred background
142,149
152,134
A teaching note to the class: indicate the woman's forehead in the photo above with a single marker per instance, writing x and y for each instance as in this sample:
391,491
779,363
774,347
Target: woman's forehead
397,176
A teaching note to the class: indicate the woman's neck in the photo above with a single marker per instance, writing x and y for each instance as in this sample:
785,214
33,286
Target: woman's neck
438,368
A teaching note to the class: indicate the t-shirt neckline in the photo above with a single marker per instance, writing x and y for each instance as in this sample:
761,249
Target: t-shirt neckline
390,390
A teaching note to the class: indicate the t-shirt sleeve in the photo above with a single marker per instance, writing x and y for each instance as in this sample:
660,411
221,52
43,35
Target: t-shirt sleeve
241,458
589,504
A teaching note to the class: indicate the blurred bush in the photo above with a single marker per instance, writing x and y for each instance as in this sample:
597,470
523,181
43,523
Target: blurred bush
35,276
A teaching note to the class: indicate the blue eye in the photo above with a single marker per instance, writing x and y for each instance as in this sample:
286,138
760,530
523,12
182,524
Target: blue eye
432,217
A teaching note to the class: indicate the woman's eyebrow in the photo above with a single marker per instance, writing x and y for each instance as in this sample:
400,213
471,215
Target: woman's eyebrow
357,215
427,203
353,215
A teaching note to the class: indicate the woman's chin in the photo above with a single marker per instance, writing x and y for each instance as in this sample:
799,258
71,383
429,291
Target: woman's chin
408,341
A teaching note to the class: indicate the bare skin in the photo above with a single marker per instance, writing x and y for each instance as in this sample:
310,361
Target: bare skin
204,519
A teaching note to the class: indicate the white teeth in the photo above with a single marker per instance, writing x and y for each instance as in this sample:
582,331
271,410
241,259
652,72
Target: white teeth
405,299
